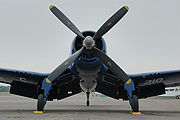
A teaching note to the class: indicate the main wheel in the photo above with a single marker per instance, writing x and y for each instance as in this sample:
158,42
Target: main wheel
135,104
40,102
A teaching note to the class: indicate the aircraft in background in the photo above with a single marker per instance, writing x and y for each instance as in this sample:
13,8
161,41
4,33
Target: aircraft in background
172,92
88,69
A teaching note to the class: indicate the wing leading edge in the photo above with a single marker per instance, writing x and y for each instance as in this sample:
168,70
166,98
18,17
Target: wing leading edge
8,76
168,78
28,84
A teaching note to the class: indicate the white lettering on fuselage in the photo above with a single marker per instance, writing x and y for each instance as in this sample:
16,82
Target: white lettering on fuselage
154,81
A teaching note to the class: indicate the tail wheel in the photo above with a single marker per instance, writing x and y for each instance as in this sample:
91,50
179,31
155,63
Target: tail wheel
87,102
40,102
135,104
87,93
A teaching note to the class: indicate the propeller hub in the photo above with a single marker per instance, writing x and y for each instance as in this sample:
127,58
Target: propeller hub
88,42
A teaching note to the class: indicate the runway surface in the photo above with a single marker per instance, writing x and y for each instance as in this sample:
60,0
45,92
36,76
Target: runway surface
101,108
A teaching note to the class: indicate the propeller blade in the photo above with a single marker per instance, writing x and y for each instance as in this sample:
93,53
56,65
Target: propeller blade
113,67
61,68
65,21
110,22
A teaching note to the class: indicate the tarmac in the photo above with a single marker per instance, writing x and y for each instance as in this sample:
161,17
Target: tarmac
14,107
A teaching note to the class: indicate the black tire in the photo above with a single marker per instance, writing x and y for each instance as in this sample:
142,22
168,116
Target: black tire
177,97
135,104
40,102
88,103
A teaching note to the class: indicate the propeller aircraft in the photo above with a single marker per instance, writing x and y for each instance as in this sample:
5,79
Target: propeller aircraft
89,69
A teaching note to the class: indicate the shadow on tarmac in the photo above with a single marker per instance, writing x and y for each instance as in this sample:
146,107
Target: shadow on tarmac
51,111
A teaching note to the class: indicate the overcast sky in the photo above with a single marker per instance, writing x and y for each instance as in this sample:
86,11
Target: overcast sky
147,39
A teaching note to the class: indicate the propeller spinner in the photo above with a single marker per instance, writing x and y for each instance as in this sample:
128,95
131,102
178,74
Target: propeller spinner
88,42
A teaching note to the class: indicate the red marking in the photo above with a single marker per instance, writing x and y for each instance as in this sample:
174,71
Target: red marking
69,22
66,63
109,63
109,23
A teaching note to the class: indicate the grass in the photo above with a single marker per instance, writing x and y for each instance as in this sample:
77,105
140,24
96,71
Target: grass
4,88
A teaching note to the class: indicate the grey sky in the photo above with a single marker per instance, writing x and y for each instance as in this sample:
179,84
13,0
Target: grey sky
147,39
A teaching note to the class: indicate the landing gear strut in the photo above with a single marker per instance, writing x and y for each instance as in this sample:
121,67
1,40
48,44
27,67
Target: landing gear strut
87,93
133,99
42,98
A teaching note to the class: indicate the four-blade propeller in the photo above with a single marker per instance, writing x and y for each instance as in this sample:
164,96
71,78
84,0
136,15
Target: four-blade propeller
103,57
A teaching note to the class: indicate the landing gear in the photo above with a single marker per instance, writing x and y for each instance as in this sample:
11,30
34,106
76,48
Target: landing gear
42,98
87,93
87,102
40,102
178,97
134,103
133,99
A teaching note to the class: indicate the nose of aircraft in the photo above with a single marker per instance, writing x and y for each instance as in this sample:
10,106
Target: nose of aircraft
88,42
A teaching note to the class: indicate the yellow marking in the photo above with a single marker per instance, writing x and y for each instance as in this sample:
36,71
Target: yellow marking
47,80
66,63
38,112
136,113
129,81
51,6
126,7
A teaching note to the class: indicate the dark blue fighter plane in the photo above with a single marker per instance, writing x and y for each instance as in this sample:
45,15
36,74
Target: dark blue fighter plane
88,69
